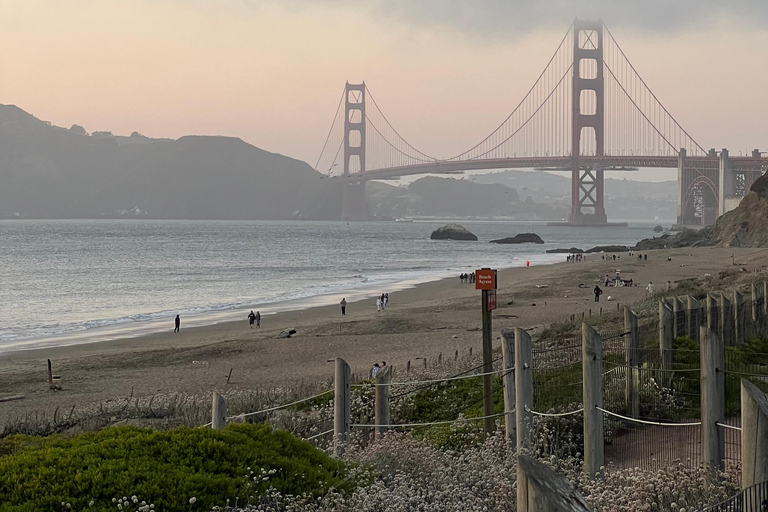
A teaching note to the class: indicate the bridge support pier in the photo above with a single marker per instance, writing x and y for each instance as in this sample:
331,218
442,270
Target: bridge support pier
727,182
355,205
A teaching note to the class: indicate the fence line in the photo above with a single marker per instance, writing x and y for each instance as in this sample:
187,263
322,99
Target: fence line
647,422
554,415
245,415
426,424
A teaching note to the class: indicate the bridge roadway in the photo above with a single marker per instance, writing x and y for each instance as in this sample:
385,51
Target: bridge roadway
613,163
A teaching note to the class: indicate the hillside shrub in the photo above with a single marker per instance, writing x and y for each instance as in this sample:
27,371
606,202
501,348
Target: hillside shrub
165,468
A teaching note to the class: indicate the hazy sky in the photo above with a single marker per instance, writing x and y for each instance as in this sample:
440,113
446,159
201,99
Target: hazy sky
445,72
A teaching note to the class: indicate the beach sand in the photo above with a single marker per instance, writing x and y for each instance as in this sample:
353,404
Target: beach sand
434,318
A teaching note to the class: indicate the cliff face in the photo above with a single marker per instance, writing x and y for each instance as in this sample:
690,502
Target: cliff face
747,225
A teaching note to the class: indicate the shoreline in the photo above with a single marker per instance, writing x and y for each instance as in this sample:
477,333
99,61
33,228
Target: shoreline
119,330
438,317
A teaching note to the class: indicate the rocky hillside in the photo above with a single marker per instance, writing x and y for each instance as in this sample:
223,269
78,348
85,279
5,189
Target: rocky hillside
747,225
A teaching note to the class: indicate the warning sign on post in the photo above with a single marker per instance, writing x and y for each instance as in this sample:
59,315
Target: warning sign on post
491,300
485,279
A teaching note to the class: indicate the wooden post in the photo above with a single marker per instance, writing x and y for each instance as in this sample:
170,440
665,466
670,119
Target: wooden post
592,375
725,324
490,424
712,313
50,376
218,412
508,358
408,367
540,489
692,318
665,335
456,356
678,310
633,372
341,408
712,399
381,401
754,435
757,303
739,318
523,388
765,300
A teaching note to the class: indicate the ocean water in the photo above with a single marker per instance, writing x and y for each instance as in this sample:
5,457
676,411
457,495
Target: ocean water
75,281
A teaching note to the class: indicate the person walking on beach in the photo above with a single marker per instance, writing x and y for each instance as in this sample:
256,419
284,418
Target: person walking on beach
343,306
258,319
386,300
378,303
598,293
178,323
251,319
650,289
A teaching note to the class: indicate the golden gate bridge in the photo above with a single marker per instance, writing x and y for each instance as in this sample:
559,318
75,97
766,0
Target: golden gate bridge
588,112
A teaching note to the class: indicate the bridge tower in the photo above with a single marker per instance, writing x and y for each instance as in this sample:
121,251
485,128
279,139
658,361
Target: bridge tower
587,121
355,206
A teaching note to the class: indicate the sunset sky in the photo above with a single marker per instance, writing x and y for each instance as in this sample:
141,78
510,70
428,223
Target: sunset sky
444,72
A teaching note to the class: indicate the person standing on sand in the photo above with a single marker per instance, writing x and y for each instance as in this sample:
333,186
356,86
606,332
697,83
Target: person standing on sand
178,323
251,319
258,319
650,289
375,370
378,303
343,306
386,300
598,293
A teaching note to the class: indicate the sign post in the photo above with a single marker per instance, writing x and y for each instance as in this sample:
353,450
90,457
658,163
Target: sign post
485,280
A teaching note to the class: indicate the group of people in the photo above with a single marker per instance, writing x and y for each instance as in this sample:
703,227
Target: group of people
574,258
467,278
382,302
377,368
254,317
618,281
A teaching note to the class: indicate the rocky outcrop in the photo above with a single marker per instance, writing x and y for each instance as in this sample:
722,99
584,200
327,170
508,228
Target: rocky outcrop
608,248
521,238
658,229
572,250
685,238
747,225
453,232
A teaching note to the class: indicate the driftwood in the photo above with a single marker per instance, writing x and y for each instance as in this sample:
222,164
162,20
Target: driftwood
11,398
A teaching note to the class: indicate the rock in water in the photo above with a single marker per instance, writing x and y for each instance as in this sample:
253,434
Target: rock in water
608,248
572,250
522,238
453,232
658,229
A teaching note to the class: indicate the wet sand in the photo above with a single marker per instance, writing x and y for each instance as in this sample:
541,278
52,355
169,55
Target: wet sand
424,321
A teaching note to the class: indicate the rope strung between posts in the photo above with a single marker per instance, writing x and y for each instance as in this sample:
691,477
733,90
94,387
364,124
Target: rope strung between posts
430,381
419,388
640,367
552,415
319,435
244,415
416,425
209,424
743,374
727,426
646,422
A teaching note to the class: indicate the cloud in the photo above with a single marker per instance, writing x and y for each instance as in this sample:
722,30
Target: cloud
506,18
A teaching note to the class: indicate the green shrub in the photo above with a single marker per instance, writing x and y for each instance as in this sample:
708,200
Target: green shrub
165,468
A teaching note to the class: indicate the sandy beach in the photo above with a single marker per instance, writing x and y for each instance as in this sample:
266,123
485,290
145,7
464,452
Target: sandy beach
424,321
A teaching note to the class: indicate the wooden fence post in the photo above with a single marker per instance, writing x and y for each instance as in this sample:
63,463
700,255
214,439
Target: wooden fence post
712,399
592,375
712,313
692,318
754,435
633,372
725,322
523,388
218,412
757,303
739,318
665,334
508,359
381,401
341,408
540,489
678,314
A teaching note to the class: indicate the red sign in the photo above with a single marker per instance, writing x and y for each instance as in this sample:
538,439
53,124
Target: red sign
485,279
491,300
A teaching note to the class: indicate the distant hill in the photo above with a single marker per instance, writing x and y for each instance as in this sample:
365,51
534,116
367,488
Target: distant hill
52,172
624,198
